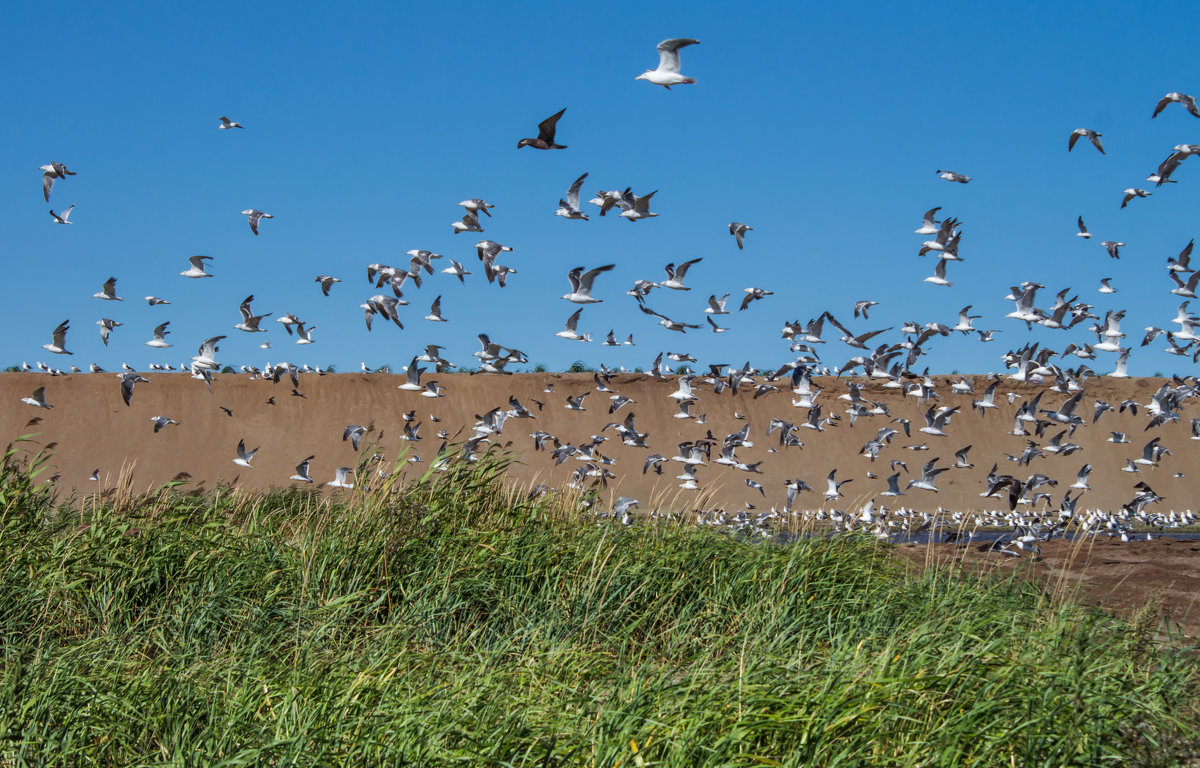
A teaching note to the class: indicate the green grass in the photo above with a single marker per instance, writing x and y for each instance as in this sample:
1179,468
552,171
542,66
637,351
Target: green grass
451,622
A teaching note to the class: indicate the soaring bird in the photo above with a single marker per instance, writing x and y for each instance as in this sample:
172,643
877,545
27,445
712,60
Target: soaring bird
739,230
569,208
254,216
160,337
477,206
581,284
302,471
59,340
1091,135
1132,193
106,328
250,320
162,421
65,216
37,399
634,207
675,275
197,268
226,123
51,172
545,137
667,73
244,456
468,223
1188,102
109,293
952,176
326,282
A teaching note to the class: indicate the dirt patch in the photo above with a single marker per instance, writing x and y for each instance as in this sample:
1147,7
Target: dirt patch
1124,578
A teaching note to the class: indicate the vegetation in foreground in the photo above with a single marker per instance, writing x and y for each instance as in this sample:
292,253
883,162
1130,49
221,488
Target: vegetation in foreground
453,622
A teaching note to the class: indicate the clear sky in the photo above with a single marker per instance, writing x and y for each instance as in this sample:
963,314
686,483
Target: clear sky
820,125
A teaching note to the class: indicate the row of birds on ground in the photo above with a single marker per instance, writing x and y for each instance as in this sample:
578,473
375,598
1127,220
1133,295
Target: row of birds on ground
890,362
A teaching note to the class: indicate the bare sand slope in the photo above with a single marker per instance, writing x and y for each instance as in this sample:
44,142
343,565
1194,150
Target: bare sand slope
90,427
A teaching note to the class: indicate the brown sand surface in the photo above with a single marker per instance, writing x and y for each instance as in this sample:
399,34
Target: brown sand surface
90,427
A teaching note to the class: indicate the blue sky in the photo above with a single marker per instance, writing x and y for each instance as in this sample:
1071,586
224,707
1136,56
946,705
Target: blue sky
819,126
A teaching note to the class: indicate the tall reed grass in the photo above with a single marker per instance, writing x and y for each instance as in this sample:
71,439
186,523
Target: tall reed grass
452,622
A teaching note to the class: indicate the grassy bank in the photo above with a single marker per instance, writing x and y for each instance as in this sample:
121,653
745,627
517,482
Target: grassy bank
456,623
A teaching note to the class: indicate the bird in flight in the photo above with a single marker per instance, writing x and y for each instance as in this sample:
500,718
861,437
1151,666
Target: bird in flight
226,123
739,230
545,137
255,216
569,208
1188,102
667,73
50,173
952,176
1091,136
244,456
64,217
59,340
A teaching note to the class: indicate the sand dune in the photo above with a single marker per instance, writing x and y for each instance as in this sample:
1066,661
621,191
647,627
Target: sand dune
90,427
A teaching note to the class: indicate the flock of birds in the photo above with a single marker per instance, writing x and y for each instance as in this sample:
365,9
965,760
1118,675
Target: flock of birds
1027,505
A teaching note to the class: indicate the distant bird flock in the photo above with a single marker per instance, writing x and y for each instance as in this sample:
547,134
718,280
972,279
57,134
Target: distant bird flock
1024,499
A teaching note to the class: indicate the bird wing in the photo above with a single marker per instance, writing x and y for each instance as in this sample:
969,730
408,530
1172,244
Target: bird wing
642,204
547,127
668,53
1071,141
573,320
573,193
209,347
681,270
589,277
